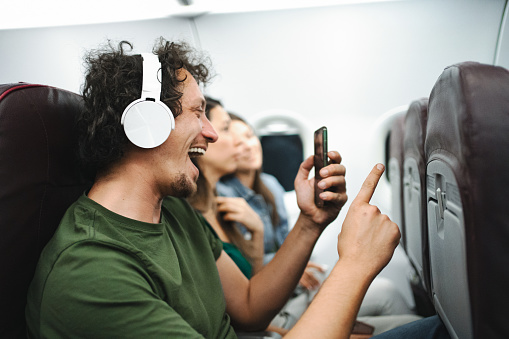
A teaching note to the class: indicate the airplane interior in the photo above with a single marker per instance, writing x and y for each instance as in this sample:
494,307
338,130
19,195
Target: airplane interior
421,86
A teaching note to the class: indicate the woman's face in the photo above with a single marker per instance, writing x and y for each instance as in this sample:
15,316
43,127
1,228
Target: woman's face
251,157
221,156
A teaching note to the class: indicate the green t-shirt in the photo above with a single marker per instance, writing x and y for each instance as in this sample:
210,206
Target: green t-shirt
106,276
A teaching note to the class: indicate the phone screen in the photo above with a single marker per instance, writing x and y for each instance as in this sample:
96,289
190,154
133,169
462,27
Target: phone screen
320,160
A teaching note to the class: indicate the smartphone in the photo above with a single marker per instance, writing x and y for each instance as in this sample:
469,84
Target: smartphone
320,160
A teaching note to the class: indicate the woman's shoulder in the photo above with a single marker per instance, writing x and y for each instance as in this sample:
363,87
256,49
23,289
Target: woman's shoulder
229,187
271,182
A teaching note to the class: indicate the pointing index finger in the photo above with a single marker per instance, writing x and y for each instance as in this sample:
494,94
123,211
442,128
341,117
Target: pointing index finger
369,185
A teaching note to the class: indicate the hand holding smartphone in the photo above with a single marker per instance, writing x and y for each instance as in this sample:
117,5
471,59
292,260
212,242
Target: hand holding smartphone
320,161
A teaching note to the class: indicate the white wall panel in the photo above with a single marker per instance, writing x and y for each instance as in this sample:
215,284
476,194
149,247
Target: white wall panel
502,55
54,56
344,66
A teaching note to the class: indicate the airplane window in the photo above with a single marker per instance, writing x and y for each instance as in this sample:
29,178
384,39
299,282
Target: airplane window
387,155
282,156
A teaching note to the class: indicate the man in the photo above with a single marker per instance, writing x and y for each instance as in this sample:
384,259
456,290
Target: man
132,259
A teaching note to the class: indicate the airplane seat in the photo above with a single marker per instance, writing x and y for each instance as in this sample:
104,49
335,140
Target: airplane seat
415,204
39,179
395,171
467,152
414,189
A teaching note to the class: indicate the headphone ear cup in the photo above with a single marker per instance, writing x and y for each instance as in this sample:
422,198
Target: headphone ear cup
147,123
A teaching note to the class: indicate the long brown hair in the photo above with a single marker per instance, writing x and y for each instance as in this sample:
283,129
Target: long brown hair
258,185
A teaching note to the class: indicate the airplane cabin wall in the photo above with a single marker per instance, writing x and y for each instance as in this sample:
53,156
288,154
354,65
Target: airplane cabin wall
345,66
54,55
502,54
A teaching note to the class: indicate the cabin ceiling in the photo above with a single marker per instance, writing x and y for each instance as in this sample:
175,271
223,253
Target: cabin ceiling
47,13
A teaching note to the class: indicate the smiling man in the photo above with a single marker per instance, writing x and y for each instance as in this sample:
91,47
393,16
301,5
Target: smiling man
131,258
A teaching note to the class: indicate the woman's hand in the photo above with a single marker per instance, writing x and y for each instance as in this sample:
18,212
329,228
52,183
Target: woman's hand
309,279
238,210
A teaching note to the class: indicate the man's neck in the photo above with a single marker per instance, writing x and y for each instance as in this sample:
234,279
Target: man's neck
128,194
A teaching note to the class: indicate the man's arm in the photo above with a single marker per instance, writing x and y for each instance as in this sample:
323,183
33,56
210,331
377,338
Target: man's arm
252,304
365,245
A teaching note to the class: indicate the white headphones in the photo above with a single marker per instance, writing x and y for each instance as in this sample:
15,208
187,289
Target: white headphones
147,121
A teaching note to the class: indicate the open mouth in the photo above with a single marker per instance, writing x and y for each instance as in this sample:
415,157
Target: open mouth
195,152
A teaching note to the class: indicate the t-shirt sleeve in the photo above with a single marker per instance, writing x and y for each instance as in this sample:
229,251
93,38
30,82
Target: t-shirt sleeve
84,299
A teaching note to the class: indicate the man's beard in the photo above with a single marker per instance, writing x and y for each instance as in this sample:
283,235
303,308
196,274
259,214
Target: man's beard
182,187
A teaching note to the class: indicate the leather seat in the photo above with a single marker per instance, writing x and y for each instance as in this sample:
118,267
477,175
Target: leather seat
414,189
467,151
39,179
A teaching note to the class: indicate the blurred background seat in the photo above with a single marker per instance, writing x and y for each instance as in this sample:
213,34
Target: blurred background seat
395,173
415,204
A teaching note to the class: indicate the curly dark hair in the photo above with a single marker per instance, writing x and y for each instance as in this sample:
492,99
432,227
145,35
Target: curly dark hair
113,80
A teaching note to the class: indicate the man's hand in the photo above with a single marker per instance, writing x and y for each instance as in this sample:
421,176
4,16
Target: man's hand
333,181
368,238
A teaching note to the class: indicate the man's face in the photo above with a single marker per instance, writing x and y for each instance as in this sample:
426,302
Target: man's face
191,137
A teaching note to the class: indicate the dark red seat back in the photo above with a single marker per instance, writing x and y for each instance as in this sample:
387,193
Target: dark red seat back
414,189
39,179
467,151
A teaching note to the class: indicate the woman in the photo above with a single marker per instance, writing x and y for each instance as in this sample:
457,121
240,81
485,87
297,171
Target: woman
219,160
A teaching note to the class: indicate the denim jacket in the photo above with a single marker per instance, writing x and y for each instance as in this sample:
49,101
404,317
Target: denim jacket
273,236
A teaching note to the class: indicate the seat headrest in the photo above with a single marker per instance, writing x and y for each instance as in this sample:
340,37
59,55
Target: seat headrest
415,129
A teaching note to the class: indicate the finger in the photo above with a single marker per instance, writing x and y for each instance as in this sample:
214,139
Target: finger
336,183
333,170
305,168
340,198
334,157
369,185
319,267
224,207
228,216
221,200
310,279
305,283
